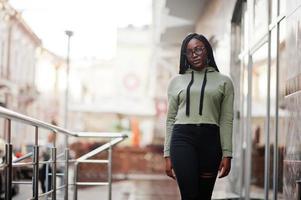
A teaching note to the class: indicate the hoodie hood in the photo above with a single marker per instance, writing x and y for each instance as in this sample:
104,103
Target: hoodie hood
208,68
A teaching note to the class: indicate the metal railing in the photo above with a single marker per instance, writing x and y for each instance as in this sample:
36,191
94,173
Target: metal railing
9,116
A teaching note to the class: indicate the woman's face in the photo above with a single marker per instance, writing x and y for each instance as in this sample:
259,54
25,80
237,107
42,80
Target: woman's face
196,53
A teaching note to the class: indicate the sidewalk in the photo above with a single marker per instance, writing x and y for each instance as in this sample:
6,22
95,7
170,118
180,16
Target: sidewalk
137,187
158,188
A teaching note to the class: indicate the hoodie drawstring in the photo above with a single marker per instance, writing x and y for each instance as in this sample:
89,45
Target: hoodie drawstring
188,94
202,93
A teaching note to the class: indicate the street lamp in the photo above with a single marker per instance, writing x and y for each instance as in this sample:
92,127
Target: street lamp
69,34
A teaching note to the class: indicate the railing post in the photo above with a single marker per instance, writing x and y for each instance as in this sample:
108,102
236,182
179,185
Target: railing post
110,172
66,172
8,174
75,180
35,177
298,183
8,161
47,178
53,172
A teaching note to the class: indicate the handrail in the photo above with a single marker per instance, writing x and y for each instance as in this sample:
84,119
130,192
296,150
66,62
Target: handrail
103,134
99,149
23,157
9,115
6,113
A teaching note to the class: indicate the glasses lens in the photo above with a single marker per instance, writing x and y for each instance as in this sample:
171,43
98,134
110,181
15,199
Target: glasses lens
188,53
198,51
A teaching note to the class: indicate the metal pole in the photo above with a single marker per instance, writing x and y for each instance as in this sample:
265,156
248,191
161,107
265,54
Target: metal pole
35,193
53,172
69,34
298,183
8,185
276,152
47,179
75,180
35,177
249,132
8,135
66,173
267,154
110,173
8,161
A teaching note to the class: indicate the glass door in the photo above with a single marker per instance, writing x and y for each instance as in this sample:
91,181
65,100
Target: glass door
258,127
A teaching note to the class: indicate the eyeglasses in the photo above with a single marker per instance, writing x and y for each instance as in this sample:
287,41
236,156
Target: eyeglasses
198,51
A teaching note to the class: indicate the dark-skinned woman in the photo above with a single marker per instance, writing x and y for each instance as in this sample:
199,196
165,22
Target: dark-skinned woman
198,141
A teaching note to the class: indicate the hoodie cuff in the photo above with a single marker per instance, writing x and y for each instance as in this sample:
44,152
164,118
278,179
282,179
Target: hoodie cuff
227,154
166,154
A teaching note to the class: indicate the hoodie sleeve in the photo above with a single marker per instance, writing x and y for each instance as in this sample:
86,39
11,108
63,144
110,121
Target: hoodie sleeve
171,117
226,118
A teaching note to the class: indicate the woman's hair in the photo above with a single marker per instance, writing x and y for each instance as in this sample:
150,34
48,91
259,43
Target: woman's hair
184,65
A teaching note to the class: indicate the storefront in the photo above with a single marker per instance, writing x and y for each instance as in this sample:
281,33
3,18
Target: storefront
265,48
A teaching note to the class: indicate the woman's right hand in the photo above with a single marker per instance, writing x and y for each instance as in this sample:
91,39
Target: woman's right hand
168,168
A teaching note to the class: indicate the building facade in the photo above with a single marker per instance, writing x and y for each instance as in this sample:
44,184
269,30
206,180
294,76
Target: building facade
265,40
257,43
19,48
22,86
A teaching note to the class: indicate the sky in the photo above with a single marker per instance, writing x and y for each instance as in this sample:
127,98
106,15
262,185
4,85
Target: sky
94,23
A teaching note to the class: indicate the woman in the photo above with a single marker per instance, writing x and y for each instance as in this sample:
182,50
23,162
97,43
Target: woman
198,140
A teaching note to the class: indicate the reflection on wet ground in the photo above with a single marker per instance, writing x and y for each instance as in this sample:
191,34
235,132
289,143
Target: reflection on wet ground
137,190
121,190
159,189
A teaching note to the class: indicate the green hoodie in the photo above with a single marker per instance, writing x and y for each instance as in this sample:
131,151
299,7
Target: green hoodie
210,100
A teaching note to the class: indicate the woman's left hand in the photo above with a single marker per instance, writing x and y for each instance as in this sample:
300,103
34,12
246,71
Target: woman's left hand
224,167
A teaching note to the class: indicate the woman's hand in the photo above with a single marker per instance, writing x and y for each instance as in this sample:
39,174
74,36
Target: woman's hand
168,168
224,167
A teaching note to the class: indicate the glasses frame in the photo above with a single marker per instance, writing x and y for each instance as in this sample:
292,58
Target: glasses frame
195,51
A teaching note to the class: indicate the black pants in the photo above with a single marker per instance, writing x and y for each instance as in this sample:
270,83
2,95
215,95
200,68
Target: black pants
195,153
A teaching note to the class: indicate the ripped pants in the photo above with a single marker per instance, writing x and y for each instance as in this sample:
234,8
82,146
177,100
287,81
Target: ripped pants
195,153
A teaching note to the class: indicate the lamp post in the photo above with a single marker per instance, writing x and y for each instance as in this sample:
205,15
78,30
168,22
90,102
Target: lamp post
66,177
69,35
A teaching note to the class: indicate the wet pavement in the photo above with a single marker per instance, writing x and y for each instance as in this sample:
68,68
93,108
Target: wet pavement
137,187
